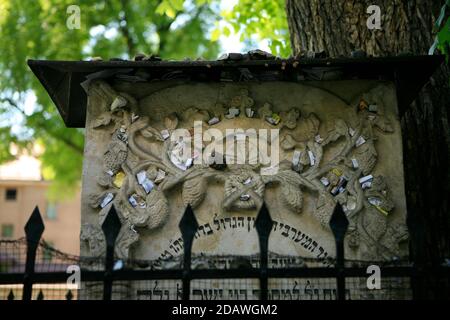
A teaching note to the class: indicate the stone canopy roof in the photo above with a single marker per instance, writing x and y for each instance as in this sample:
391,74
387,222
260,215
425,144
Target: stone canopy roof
65,81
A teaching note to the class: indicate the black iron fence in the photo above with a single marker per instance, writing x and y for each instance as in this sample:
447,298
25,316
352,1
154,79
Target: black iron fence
411,279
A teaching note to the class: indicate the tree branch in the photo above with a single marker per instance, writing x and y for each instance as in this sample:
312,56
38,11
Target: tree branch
55,135
13,104
163,28
123,27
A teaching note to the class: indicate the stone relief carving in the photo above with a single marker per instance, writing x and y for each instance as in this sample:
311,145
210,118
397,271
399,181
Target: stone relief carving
137,179
92,236
243,179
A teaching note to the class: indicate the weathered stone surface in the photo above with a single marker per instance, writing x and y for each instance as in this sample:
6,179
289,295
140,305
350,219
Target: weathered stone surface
329,134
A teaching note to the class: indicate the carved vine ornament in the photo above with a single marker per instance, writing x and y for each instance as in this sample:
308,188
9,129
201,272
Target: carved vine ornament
137,179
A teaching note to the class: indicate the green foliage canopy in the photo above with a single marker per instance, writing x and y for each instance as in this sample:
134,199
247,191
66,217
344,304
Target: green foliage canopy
256,21
173,29
443,36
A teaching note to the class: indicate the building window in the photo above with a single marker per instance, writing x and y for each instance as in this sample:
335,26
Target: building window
7,230
11,194
51,211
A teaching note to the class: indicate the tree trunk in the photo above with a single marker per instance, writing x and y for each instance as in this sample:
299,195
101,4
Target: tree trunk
339,27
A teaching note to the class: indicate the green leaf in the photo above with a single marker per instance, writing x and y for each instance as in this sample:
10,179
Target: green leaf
444,40
444,34
170,12
38,30
226,31
257,21
162,7
215,35
177,5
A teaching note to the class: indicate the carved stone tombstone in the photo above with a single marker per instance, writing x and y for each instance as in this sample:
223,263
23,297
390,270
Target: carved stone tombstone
300,135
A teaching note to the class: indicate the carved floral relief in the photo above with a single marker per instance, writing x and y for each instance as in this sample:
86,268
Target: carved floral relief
137,180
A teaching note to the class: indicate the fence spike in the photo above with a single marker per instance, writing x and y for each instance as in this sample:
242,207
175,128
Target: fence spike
69,295
263,222
188,226
263,225
40,295
33,232
11,295
34,227
111,226
338,223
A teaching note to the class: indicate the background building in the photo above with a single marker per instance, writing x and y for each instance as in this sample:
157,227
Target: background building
21,189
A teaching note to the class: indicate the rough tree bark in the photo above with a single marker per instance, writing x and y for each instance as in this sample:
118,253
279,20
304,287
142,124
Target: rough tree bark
339,27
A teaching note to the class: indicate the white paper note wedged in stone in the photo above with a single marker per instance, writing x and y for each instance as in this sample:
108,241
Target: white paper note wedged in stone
366,178
360,141
147,185
165,134
296,157
324,181
312,158
107,199
132,201
141,176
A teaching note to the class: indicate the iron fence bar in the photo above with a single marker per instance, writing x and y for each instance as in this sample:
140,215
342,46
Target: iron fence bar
340,278
263,225
418,283
33,232
108,280
111,228
188,227
339,225
69,295
40,295
174,274
271,273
